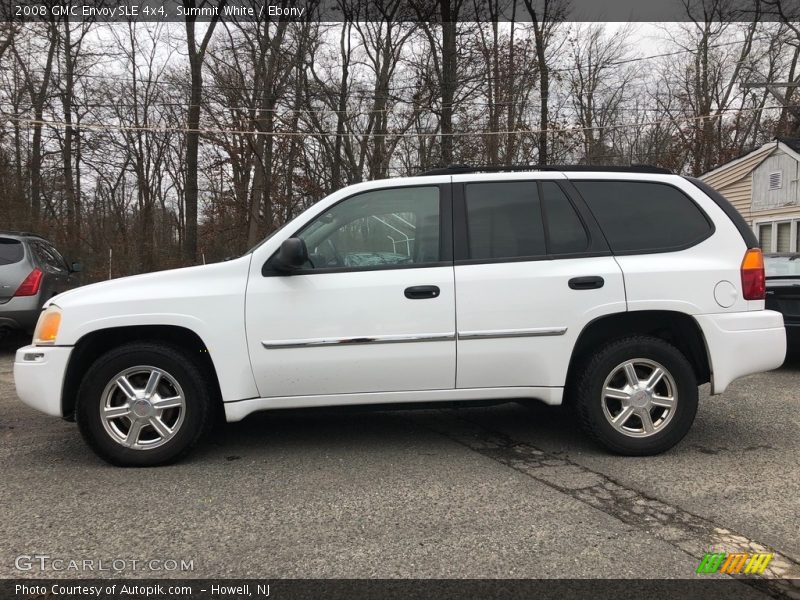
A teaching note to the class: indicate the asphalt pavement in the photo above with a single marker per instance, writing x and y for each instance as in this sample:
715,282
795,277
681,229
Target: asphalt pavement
509,491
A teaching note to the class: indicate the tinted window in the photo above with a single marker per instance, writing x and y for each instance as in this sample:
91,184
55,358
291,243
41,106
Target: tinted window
504,220
11,251
565,231
381,228
640,216
48,256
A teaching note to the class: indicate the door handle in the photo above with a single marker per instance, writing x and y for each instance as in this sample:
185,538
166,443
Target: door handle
420,292
592,282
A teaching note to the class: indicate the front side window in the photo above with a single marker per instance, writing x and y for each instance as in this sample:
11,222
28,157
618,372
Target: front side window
640,216
384,228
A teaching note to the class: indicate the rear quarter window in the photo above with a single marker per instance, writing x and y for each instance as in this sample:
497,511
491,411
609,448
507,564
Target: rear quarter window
11,251
639,216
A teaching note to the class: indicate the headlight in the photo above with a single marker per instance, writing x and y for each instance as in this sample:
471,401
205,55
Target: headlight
47,326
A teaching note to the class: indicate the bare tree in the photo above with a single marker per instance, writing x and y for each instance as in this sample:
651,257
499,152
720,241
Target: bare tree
545,15
38,89
196,58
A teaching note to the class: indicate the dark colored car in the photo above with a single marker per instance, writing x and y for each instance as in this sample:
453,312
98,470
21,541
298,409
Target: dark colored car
783,292
31,272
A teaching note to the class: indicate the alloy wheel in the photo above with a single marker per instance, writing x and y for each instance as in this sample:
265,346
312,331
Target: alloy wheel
142,407
639,397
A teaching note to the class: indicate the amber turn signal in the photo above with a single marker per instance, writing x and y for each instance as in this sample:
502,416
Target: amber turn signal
47,327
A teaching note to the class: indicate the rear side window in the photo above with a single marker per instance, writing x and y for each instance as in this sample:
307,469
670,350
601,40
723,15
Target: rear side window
11,251
565,231
49,256
504,220
639,216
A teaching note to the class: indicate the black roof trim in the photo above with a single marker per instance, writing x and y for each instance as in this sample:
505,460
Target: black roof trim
462,169
20,234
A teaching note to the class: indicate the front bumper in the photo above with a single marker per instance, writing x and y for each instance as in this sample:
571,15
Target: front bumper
39,376
742,343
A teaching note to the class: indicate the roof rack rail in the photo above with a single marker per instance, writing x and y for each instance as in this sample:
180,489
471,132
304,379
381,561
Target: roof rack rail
462,169
19,233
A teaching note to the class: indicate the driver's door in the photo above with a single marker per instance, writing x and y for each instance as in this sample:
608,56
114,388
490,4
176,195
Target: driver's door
374,308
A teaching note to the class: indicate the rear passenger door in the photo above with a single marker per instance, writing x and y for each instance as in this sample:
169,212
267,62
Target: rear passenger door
531,270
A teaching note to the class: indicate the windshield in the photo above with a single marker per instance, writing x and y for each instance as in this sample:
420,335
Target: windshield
782,266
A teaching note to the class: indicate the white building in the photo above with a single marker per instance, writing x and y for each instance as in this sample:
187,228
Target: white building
764,186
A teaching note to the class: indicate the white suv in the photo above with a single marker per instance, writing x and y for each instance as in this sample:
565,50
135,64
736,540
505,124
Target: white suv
615,291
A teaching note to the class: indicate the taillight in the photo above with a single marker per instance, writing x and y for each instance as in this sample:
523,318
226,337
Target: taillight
754,286
30,287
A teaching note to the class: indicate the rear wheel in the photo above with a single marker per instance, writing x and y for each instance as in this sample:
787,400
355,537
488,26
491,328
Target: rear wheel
143,404
637,396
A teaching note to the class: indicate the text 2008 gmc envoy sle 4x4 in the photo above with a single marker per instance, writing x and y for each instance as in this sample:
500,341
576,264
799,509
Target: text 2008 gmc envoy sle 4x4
615,291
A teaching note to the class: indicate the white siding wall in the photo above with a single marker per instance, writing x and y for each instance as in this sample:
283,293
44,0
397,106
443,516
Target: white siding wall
787,195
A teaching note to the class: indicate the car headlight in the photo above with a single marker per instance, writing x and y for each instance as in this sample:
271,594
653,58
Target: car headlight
47,326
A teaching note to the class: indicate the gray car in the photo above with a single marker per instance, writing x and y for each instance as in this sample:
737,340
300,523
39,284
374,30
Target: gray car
31,272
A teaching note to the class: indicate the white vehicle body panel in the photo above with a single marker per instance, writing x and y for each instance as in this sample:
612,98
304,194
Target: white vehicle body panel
530,295
307,333
207,300
741,344
39,375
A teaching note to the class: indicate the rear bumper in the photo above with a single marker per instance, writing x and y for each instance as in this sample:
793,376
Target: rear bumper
742,343
21,313
39,376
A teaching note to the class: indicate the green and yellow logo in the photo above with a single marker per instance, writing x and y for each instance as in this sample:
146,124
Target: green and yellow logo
734,563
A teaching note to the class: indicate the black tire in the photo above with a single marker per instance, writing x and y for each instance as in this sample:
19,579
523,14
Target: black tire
587,396
199,405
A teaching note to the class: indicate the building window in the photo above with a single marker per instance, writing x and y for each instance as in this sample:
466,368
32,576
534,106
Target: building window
776,180
779,236
783,242
765,237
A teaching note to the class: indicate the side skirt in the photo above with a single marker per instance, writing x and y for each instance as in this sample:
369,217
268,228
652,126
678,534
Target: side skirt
238,410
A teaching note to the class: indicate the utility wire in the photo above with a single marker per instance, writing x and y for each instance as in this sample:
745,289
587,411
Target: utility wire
320,134
416,86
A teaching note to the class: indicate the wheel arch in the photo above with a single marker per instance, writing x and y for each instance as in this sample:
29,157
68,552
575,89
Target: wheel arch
679,329
93,344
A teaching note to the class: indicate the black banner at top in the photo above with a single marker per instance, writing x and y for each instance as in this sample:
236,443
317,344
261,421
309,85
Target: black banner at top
401,10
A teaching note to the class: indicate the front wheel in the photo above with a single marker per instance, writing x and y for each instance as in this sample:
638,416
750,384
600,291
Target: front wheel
143,404
637,396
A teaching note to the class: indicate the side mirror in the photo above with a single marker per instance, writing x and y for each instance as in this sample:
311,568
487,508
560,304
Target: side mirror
76,267
292,255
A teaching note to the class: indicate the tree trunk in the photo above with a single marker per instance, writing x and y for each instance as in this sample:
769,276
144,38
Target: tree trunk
73,241
449,75
196,56
38,99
